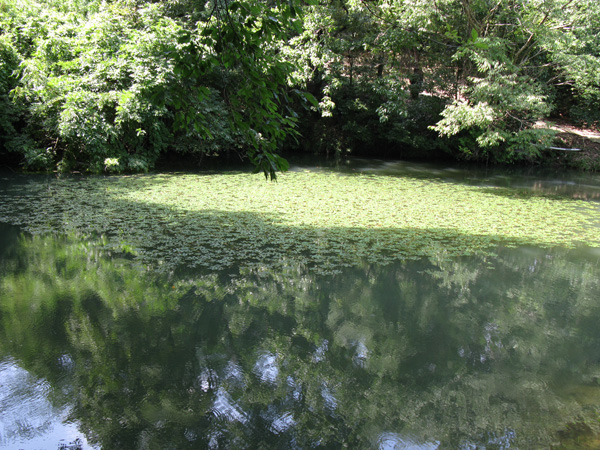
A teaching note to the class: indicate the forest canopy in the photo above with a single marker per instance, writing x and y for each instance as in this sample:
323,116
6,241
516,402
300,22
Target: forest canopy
114,86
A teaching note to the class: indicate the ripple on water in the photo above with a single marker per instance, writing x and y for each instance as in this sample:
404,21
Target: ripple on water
27,418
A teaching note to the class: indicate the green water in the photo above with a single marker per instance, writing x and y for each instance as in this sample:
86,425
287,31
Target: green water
497,349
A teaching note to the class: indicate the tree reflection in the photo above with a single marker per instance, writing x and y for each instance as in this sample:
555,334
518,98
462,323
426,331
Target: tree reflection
431,354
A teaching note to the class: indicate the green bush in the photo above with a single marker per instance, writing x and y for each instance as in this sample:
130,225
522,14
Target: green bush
9,61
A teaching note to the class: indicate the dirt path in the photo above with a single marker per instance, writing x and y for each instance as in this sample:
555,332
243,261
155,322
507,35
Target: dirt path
563,128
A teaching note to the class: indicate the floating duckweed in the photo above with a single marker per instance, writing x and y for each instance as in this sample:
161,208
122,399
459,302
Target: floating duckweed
324,220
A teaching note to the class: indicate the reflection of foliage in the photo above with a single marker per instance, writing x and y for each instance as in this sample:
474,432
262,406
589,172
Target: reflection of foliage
463,353
324,220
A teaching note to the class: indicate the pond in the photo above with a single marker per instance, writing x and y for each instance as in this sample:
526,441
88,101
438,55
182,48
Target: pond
364,304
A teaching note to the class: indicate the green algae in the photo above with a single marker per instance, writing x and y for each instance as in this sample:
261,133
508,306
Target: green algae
322,219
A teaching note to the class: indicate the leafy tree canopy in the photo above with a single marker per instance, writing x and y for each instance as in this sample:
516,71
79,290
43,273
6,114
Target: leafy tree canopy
112,86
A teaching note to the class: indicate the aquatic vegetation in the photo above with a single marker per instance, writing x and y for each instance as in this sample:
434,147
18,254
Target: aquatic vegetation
324,220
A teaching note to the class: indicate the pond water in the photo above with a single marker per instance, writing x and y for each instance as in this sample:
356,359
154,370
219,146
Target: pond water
102,348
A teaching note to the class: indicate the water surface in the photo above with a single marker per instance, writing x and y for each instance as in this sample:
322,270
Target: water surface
495,350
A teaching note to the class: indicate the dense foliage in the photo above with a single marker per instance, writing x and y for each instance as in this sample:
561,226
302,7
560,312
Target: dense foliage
113,85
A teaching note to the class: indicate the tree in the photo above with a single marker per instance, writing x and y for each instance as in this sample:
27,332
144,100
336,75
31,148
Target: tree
514,76
481,73
112,86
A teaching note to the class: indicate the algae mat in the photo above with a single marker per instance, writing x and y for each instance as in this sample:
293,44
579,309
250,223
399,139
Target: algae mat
323,220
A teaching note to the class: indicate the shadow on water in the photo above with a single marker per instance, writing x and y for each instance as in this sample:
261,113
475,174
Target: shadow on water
474,352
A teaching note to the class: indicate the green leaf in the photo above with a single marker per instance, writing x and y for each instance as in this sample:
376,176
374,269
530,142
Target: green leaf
311,98
282,164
